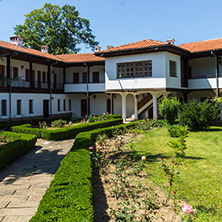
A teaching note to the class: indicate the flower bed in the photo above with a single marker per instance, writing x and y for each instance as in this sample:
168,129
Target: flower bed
70,195
16,145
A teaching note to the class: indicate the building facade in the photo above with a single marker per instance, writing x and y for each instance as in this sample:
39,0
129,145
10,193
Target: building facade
127,80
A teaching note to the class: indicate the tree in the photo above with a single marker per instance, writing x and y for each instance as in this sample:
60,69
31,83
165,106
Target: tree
168,108
60,28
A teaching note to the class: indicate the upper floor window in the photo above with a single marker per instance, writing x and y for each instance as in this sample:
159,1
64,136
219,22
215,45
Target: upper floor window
75,78
2,70
30,106
27,75
134,69
15,72
173,68
95,77
84,77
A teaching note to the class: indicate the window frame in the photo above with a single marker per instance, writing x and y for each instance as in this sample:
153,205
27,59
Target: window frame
173,68
135,69
19,107
31,106
4,107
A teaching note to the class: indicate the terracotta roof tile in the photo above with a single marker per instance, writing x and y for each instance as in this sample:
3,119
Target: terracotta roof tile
201,46
136,45
26,50
85,57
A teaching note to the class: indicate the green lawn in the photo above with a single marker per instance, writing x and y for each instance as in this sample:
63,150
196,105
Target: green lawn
200,180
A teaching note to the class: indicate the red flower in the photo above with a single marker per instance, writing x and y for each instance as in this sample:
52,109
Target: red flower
3,137
155,194
121,188
106,157
174,192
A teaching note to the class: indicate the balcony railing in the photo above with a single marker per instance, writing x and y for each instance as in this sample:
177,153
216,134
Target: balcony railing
71,82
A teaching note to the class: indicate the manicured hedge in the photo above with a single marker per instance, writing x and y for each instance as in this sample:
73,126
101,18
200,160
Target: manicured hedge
64,132
8,124
70,195
20,144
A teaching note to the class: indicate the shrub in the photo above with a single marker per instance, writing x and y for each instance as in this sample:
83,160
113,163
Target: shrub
70,195
198,115
168,108
19,144
177,131
59,123
64,132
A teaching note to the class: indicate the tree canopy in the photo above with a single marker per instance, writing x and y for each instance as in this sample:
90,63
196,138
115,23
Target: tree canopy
60,28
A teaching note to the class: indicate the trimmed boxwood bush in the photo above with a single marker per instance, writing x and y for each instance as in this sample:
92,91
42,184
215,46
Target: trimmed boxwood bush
19,145
64,132
70,195
34,121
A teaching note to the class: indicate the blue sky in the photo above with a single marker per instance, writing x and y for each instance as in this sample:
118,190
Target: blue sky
117,22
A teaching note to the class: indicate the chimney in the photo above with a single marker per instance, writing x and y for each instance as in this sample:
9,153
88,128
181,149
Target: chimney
170,41
16,40
97,48
109,46
45,49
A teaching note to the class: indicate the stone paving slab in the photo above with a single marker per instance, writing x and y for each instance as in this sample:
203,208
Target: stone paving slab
23,184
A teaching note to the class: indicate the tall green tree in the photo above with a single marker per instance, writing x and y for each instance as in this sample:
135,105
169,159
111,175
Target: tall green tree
60,28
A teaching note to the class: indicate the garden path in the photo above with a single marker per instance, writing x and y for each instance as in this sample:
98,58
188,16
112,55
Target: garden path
23,183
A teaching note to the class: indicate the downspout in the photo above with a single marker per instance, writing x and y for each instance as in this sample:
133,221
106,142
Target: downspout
216,73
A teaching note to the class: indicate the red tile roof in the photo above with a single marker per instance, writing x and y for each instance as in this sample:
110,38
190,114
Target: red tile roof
77,58
201,46
10,46
135,45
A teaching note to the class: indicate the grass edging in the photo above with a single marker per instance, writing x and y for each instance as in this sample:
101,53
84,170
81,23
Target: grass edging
70,195
64,132
19,145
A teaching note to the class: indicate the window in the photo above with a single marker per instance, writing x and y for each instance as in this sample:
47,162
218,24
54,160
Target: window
134,69
27,75
19,103
4,107
44,77
84,77
64,105
75,78
2,70
173,68
15,72
95,77
59,109
70,104
30,106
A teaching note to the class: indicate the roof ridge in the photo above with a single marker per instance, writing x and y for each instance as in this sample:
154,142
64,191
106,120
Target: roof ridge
201,41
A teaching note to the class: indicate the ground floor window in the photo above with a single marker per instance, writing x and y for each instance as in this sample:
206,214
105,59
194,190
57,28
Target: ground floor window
70,104
19,108
4,107
64,105
59,109
30,106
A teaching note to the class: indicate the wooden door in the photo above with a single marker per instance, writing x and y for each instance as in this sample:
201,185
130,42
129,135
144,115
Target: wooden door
83,107
46,108
108,106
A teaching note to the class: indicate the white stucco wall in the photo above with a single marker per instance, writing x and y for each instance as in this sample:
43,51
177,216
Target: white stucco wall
205,83
160,72
172,82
